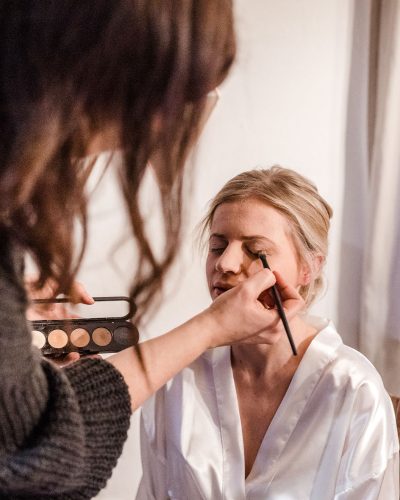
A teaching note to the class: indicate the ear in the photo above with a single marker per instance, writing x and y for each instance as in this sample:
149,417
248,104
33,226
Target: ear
309,270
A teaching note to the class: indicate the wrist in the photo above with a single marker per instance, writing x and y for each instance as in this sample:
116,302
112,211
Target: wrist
209,328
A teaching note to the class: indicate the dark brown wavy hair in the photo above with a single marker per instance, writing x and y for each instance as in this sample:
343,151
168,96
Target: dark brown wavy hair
70,68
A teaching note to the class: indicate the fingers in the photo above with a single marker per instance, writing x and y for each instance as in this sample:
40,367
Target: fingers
71,357
242,314
54,310
291,299
78,294
260,282
65,360
47,291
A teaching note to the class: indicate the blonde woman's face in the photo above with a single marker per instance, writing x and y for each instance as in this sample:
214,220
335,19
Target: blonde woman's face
244,228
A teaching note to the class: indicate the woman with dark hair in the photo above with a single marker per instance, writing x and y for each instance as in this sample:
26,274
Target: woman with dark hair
77,77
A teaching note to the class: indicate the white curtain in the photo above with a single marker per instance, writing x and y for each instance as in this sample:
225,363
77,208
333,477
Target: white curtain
380,301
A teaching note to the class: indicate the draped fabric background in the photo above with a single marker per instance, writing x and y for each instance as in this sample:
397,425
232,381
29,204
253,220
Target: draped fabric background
380,306
315,88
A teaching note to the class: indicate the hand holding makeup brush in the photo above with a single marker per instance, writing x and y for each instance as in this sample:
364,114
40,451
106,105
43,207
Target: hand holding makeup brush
238,307
235,315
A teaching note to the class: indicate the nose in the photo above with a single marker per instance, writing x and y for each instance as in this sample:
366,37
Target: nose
230,261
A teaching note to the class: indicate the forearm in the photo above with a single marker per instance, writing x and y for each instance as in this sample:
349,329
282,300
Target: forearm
233,316
78,416
149,366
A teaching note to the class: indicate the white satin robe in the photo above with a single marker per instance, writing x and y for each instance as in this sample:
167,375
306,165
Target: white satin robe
333,436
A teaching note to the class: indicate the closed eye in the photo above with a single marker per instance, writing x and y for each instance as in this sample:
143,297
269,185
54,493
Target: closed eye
217,244
255,251
217,250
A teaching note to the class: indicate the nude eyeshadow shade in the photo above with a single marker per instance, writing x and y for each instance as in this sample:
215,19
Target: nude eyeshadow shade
57,338
85,335
101,336
80,337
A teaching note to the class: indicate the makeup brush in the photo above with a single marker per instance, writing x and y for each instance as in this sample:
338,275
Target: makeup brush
278,303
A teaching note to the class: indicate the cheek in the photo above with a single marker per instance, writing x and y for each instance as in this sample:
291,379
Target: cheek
288,268
253,267
292,277
210,266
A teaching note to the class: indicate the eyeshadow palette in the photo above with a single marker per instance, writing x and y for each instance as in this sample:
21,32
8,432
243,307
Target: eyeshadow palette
85,335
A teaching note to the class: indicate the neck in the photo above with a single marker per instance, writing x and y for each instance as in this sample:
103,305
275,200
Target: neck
264,360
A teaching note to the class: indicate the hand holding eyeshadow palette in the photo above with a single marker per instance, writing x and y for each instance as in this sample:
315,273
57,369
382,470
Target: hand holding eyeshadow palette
85,335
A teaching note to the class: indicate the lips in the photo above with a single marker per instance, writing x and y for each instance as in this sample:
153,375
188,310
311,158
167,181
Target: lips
218,291
220,287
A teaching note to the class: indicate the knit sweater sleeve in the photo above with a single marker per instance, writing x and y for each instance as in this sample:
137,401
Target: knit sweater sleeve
61,431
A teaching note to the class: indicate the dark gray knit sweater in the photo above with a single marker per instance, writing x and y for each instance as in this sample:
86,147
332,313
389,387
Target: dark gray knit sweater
61,431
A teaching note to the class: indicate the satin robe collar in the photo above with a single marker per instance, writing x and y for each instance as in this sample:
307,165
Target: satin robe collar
321,351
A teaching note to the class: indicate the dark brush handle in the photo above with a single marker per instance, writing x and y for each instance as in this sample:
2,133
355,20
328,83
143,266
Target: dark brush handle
281,311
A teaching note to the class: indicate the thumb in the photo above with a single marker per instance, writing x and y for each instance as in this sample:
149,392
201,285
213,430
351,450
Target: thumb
78,294
259,282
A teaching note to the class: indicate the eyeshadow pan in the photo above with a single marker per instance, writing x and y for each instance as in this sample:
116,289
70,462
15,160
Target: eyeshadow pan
124,335
38,339
80,337
57,338
101,336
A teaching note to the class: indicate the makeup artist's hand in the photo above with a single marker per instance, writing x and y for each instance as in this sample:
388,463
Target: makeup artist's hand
234,316
245,313
78,295
292,303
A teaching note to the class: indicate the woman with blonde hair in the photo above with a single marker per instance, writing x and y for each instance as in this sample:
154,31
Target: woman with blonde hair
253,421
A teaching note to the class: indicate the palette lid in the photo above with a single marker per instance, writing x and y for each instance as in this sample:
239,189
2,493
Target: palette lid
120,298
